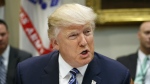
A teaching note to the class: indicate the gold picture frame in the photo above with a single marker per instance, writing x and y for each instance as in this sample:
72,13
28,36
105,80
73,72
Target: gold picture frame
118,15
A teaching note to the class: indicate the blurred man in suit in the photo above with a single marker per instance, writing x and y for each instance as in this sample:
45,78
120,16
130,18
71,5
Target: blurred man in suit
9,56
134,62
71,31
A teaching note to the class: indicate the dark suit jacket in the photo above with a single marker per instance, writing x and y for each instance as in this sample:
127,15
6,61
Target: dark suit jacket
130,62
15,56
45,70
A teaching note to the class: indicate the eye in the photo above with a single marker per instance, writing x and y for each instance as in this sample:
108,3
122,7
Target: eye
73,36
147,32
88,32
3,34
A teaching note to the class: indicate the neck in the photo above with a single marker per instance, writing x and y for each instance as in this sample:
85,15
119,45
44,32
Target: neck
2,50
145,51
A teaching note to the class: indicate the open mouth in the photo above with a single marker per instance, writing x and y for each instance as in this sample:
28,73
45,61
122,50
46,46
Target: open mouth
84,52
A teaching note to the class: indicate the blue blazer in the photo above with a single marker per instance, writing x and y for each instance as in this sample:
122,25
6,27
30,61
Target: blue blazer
45,70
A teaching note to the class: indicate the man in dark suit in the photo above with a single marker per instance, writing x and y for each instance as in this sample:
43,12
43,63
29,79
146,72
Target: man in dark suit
10,56
134,61
73,61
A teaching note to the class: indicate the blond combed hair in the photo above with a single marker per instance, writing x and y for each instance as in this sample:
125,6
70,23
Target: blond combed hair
70,14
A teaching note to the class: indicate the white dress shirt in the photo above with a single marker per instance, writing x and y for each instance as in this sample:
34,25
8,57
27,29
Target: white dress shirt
64,72
140,60
5,55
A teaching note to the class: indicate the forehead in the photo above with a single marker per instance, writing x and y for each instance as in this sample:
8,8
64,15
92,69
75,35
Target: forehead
145,26
2,28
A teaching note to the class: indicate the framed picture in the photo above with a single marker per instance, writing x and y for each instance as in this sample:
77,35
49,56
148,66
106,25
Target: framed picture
2,3
115,11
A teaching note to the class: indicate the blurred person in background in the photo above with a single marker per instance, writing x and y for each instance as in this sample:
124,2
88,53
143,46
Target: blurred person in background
139,62
9,56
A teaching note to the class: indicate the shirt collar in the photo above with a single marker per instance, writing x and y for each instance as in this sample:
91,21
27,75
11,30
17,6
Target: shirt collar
5,54
64,67
141,55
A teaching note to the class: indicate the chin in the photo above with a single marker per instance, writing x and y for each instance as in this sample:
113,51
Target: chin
87,61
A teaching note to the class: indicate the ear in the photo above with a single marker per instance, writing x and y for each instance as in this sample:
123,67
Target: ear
54,44
138,34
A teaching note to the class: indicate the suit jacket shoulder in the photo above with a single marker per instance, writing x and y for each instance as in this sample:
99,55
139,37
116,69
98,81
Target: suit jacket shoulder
39,70
130,61
126,58
22,55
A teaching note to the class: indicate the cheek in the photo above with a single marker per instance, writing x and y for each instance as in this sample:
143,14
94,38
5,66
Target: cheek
144,39
6,39
91,45
91,41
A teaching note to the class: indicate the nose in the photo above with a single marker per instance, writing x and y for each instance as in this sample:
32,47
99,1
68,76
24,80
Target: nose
82,40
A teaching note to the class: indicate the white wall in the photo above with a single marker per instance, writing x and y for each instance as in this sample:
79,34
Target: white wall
74,1
2,12
12,8
116,41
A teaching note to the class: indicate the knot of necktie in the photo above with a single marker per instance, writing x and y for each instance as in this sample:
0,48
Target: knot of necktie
74,71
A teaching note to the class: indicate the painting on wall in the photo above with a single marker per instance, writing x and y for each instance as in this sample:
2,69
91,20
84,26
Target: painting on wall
2,3
115,11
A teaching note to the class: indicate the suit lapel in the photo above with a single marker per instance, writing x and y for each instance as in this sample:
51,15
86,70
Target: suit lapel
133,64
13,59
51,74
92,72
